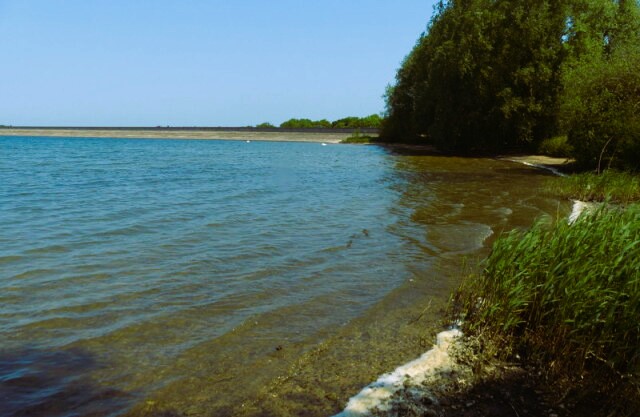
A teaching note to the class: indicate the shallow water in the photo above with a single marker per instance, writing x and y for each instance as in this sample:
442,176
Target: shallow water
230,278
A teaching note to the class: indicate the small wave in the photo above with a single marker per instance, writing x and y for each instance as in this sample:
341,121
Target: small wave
377,395
9,259
92,308
338,248
34,273
459,238
48,249
504,211
59,323
123,231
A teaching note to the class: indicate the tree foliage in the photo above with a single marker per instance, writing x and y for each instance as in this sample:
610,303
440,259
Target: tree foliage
602,112
601,101
305,124
372,121
265,125
490,75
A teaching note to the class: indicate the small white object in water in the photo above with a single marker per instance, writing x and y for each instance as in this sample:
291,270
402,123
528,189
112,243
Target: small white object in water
324,144
377,395
248,141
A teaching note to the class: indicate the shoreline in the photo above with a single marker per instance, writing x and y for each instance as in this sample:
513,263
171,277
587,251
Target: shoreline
451,379
555,165
475,382
180,134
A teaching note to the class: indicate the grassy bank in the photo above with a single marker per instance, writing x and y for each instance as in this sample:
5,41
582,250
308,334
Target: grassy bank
612,186
566,298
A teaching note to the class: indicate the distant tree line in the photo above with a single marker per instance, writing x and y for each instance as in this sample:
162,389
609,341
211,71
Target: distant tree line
373,121
493,75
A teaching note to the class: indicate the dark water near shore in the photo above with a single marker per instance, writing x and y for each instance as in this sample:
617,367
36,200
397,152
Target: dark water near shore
230,278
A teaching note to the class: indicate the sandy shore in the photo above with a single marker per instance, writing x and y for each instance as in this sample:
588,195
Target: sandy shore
274,136
538,160
557,166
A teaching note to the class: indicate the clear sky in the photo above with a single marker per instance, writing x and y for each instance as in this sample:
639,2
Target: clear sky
198,62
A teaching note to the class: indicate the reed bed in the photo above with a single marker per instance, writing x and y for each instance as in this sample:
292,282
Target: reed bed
615,187
565,296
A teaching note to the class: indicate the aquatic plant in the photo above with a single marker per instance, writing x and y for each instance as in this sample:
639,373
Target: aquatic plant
613,186
565,296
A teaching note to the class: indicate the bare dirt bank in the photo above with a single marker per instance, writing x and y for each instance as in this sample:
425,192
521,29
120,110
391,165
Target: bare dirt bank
208,134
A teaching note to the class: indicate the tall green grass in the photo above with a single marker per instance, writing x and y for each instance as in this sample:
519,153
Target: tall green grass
565,295
612,186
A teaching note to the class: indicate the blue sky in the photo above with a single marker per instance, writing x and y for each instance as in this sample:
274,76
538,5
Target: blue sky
197,62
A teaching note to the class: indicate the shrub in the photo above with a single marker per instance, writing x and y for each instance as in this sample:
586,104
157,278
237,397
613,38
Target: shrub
567,295
602,112
556,146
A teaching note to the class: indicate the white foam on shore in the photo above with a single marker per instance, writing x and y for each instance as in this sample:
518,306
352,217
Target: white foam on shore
578,208
377,394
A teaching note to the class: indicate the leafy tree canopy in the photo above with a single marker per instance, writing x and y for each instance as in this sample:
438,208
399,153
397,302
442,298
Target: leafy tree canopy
493,75
372,121
305,124
265,125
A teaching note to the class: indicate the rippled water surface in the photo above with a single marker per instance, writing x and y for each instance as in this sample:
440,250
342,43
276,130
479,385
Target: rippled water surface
148,277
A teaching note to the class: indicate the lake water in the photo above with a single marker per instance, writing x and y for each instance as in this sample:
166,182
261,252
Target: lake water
183,277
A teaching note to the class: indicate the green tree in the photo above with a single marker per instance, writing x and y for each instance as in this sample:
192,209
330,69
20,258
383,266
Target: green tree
490,75
372,121
305,124
265,125
324,123
602,111
601,101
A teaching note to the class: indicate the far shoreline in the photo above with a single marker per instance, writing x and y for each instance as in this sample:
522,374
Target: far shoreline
241,134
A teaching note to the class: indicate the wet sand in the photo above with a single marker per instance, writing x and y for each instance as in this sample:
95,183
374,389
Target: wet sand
208,134
538,159
554,164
